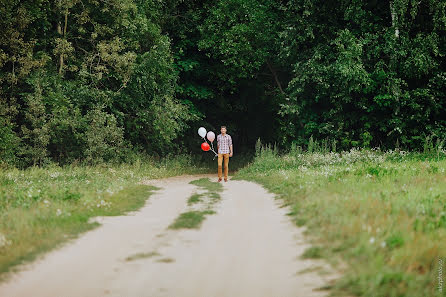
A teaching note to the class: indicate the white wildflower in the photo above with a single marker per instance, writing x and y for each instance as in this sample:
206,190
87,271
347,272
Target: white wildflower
54,174
58,212
383,244
372,240
4,241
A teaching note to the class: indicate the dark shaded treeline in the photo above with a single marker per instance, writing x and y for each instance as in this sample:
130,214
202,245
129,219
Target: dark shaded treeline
99,80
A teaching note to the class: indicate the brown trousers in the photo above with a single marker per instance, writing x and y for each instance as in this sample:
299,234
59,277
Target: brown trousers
220,161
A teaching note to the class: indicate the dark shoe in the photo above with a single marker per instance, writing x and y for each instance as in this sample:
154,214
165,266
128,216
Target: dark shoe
219,180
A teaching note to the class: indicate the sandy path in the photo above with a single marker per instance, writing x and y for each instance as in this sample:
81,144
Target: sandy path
249,248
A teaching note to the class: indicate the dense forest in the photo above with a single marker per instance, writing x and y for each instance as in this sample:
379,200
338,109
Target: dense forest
97,80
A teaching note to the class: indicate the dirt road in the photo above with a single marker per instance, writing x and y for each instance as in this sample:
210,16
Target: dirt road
249,248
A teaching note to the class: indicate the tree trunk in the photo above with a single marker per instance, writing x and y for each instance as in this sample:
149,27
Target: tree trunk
63,34
393,57
276,79
394,16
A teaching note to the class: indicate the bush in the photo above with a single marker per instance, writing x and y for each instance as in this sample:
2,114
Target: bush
8,143
103,138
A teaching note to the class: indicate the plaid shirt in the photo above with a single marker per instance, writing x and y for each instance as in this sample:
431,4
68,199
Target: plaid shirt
224,142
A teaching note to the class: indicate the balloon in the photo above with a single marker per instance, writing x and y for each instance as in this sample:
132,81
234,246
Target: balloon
202,132
205,146
211,136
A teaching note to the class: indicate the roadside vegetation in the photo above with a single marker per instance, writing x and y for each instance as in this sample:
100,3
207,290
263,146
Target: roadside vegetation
381,213
42,207
200,204
190,219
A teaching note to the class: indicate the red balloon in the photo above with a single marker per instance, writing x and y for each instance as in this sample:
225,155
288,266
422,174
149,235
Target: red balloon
205,146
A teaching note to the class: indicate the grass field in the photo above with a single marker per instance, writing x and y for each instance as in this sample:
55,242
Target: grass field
42,207
382,214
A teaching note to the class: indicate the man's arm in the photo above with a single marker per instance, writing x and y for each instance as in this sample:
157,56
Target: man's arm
230,151
217,142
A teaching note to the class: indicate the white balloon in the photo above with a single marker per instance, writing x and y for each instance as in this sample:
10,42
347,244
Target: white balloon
202,132
211,136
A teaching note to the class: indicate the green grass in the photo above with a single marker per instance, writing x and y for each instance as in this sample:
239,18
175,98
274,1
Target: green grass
190,219
166,260
207,184
142,256
212,189
41,208
382,213
193,219
194,198
313,252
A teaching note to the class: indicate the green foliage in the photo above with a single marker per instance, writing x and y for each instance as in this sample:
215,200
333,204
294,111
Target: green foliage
35,132
8,143
231,32
361,81
82,78
102,137
363,74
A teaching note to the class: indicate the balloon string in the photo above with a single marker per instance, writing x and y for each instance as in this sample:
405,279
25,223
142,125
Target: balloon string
212,148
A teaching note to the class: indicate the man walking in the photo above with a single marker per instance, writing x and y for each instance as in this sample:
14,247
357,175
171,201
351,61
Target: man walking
224,149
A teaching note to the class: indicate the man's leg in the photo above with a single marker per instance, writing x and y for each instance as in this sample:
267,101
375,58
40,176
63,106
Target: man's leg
220,161
226,166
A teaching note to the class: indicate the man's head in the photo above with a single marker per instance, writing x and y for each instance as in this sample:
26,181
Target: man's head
223,130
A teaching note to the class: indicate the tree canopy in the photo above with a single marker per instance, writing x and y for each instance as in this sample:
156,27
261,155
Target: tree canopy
93,80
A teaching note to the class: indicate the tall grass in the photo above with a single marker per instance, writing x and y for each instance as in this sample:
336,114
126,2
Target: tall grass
382,213
41,207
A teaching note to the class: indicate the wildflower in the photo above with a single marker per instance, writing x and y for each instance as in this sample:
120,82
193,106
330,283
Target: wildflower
383,244
372,240
4,241
54,174
46,201
58,212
